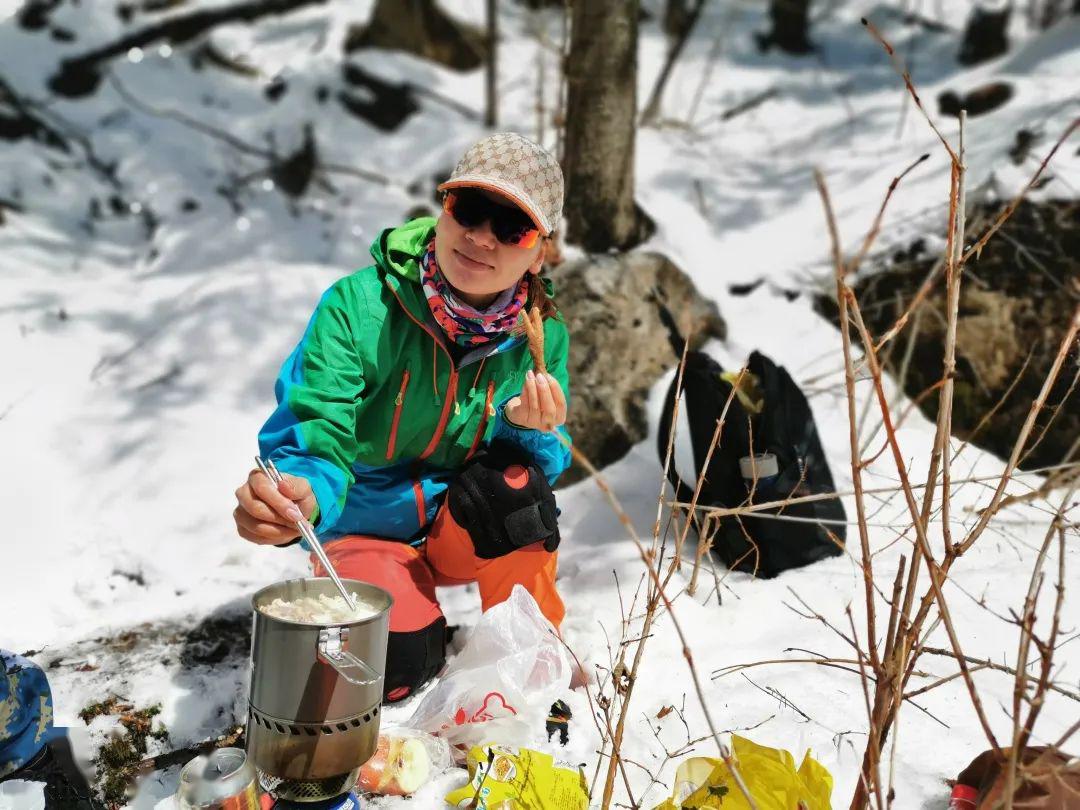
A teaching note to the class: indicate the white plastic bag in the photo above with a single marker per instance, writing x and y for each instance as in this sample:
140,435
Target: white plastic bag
500,687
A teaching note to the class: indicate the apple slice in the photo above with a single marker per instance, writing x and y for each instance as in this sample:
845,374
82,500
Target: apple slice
413,766
399,767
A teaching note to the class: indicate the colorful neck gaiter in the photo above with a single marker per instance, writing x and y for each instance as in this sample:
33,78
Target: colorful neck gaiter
462,323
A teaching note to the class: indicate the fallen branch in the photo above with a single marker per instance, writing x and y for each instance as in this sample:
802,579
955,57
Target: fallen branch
231,140
182,756
81,75
751,103
27,124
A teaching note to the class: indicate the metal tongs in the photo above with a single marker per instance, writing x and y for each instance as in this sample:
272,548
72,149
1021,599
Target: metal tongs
308,531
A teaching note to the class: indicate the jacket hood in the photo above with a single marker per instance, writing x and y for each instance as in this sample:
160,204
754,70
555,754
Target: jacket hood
400,249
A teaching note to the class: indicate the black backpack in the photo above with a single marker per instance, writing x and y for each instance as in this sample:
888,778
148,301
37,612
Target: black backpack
785,427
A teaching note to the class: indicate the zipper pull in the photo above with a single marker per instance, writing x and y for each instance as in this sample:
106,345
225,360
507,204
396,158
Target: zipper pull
491,411
457,408
399,399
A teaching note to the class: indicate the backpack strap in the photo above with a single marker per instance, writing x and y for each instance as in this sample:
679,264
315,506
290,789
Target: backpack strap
683,492
675,338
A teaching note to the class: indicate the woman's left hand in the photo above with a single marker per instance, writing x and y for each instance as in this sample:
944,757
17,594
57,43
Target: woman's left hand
541,405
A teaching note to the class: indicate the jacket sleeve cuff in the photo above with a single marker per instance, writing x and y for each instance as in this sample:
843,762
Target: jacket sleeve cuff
546,449
505,429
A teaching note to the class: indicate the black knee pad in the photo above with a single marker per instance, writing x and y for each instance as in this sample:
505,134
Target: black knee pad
504,502
413,659
66,786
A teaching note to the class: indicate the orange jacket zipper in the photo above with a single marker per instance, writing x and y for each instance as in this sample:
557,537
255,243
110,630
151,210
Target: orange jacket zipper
444,417
451,389
399,403
488,411
418,496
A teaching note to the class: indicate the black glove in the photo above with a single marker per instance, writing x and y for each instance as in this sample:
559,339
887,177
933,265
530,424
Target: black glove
504,502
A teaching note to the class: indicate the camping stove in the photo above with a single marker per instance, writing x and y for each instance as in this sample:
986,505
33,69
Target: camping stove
225,779
323,794
346,801
316,690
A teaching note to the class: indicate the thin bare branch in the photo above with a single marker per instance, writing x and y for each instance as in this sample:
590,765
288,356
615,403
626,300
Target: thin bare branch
724,751
908,83
986,663
976,249
871,235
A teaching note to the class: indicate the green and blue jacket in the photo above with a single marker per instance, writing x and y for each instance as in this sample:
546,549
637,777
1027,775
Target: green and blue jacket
376,412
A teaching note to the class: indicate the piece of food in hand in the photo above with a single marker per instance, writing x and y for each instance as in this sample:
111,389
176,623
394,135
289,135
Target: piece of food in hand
534,331
400,767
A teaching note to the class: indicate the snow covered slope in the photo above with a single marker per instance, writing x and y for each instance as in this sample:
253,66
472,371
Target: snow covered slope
141,334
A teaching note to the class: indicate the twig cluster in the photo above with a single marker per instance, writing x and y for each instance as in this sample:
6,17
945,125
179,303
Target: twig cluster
887,664
886,652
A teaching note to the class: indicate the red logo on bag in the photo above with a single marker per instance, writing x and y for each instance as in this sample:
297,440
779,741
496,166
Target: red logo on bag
491,702
485,714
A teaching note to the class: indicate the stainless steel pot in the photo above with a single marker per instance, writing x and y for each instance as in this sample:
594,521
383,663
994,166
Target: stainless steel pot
315,691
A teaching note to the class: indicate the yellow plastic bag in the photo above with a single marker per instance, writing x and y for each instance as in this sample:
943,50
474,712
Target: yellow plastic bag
505,778
748,390
769,774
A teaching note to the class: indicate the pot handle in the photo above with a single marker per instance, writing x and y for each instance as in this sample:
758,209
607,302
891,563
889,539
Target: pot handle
347,665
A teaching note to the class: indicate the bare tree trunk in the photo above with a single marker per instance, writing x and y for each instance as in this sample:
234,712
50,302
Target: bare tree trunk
537,27
1052,11
675,49
675,13
600,125
790,27
560,101
491,116
986,35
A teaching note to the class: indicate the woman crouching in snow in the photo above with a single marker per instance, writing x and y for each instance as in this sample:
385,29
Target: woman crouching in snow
412,427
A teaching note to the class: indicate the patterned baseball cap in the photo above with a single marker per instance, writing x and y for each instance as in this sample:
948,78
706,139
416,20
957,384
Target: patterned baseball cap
512,165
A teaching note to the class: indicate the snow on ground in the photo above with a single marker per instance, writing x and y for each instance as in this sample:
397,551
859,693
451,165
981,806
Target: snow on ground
137,370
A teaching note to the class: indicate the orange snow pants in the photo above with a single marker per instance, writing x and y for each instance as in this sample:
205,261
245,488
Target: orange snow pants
417,627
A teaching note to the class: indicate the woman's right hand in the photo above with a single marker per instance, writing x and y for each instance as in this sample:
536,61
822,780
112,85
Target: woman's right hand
267,513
